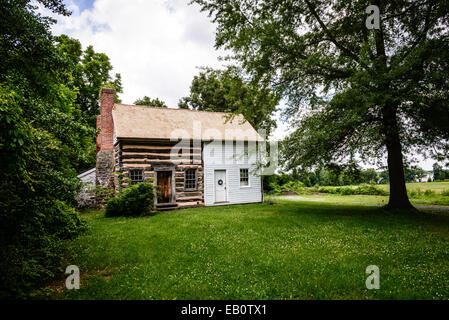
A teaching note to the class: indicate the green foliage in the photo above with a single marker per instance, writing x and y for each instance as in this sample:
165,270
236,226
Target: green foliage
227,91
42,144
274,187
34,242
295,186
104,193
413,173
439,174
147,101
87,72
136,200
345,191
430,196
351,90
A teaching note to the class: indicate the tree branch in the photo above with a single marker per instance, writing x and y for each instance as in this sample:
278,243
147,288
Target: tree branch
422,35
405,11
345,50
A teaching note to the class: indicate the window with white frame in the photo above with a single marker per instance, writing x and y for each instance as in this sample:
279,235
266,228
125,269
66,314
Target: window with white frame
190,179
136,175
244,177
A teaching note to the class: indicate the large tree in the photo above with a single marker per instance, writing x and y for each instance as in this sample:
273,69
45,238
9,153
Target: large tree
87,72
227,91
42,141
351,90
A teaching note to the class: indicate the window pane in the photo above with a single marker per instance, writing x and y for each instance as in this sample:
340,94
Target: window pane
136,175
245,152
190,179
244,178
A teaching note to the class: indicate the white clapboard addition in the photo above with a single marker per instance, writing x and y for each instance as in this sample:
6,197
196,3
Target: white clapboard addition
223,162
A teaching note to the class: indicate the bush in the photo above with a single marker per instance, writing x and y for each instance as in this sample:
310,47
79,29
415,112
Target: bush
345,191
445,192
135,200
365,189
412,194
295,186
34,246
370,190
298,187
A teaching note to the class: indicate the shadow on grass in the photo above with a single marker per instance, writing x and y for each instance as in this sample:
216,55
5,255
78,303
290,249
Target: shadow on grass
434,221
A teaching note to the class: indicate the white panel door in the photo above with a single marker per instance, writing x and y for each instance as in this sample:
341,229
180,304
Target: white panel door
220,185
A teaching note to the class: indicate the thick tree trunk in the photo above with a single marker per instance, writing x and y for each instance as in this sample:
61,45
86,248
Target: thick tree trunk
398,192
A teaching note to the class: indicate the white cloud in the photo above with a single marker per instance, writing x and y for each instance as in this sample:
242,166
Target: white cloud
155,45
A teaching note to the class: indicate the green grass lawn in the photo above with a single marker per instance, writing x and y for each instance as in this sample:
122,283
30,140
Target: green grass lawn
289,250
369,200
420,194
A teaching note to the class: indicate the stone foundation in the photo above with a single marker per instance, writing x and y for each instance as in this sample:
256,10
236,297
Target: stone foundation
105,172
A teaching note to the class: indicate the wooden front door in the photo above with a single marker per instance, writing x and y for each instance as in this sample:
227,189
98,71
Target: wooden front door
164,186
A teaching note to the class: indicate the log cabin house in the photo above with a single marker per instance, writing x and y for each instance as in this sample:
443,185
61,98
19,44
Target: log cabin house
195,158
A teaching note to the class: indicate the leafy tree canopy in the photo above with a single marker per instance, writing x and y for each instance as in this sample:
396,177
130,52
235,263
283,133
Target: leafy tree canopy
439,173
88,71
227,91
43,139
147,101
351,90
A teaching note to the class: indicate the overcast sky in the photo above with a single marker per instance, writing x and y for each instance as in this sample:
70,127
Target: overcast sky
156,45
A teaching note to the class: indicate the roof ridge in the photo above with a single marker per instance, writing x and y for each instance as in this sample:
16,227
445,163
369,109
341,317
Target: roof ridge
178,109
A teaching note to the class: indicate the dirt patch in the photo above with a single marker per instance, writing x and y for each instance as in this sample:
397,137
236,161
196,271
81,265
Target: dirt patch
299,198
57,286
288,193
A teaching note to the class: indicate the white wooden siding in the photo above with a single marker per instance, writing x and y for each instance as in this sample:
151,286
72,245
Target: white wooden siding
216,156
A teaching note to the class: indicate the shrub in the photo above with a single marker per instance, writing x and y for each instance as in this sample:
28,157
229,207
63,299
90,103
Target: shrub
34,246
295,186
135,200
445,192
370,190
298,187
345,191
412,194
104,193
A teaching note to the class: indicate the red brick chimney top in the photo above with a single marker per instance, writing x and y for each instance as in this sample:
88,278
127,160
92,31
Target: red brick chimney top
105,139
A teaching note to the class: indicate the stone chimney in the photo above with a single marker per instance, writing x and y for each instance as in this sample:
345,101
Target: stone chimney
105,140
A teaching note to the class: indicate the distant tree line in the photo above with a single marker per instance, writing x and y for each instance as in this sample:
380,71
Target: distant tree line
341,175
439,173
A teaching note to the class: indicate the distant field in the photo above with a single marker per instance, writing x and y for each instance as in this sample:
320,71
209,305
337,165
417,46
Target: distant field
434,186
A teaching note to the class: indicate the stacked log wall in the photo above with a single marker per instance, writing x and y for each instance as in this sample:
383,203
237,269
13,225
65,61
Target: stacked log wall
151,155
